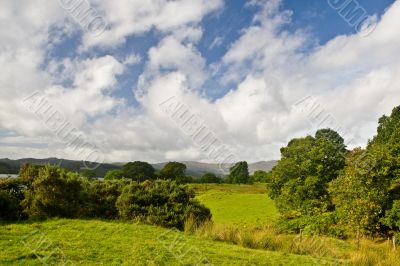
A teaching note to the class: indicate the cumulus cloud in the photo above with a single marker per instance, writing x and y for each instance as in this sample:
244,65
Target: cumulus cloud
354,79
133,17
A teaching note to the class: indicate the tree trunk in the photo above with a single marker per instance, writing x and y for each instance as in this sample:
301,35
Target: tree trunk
394,242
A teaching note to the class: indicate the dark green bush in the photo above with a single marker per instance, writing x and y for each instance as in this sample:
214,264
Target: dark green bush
11,195
163,203
54,193
51,191
100,198
210,178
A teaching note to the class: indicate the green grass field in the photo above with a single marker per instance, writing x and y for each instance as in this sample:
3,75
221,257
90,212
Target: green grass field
244,205
243,218
93,242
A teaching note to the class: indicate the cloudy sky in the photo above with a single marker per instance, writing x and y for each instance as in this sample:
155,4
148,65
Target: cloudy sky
254,72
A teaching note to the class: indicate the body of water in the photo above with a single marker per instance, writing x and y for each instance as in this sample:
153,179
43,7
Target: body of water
6,175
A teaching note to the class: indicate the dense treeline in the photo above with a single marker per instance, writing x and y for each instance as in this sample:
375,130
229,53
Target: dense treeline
50,191
141,171
322,187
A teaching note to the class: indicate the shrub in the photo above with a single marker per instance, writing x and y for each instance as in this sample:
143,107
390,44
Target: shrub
28,172
100,198
54,193
11,195
114,174
163,203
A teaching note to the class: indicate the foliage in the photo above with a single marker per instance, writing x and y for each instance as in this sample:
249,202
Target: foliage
101,197
54,193
5,168
260,176
388,130
114,174
174,171
239,174
28,172
300,179
360,193
392,217
138,171
367,191
88,173
210,178
162,203
11,195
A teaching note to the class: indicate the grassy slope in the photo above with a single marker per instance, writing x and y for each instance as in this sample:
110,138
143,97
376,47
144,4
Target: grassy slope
93,242
247,205
238,205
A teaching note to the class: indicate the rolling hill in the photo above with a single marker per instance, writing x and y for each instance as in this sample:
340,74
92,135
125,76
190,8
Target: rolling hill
195,169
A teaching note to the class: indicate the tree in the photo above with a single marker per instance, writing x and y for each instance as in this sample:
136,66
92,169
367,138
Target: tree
210,178
300,179
138,171
239,174
114,174
88,173
361,192
366,193
260,176
174,171
5,168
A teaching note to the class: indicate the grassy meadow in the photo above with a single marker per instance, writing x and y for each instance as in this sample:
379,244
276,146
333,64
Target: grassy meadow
242,233
94,242
239,205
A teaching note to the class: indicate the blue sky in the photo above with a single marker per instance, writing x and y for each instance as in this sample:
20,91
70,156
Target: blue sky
238,65
315,16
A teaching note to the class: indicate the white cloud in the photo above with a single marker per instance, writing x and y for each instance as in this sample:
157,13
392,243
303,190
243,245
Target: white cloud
355,79
132,59
133,17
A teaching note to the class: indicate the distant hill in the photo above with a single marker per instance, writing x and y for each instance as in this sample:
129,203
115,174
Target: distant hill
8,166
195,169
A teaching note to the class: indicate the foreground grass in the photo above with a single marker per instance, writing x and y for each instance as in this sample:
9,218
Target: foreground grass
244,215
239,205
94,242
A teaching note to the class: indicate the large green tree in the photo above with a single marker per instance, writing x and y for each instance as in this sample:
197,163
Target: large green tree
138,171
174,171
300,179
360,193
366,194
260,176
239,173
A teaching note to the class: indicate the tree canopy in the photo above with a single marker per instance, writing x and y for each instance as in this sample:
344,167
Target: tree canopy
174,171
138,171
300,179
239,173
